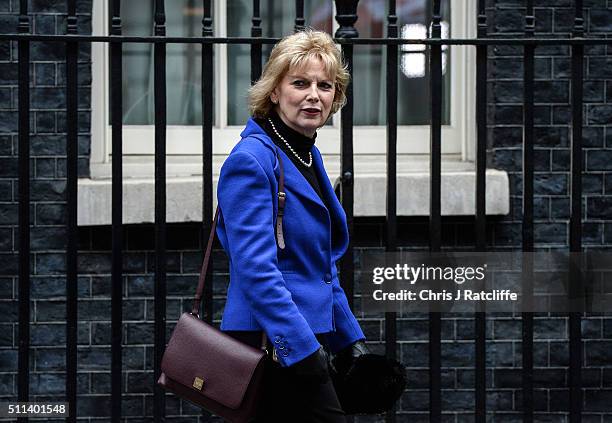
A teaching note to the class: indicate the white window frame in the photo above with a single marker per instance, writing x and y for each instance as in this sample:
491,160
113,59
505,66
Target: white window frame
184,142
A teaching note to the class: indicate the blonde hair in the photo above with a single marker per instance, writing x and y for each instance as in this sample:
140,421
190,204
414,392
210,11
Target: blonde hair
293,52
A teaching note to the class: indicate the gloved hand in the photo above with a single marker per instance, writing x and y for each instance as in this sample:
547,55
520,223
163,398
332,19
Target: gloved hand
345,359
312,369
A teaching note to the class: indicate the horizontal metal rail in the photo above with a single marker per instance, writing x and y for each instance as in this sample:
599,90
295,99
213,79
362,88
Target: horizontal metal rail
537,41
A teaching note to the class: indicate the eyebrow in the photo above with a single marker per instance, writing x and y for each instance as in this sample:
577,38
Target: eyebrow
305,77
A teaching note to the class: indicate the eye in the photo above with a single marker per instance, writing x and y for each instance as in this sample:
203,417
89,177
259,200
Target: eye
325,86
299,83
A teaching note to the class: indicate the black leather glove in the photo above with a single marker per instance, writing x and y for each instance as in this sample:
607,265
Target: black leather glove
345,359
312,369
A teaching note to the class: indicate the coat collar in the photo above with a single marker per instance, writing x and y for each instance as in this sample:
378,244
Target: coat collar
336,213
293,176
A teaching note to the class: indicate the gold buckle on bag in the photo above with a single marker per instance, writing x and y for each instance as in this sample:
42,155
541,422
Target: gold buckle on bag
198,383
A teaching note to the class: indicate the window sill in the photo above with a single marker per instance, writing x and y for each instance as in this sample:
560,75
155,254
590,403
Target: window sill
184,198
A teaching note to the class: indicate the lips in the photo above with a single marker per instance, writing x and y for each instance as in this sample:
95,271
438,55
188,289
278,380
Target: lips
311,110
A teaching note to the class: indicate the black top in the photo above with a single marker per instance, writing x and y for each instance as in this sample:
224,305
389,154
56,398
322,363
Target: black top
300,143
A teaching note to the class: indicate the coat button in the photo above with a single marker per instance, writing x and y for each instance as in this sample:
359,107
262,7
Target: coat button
277,339
327,278
285,353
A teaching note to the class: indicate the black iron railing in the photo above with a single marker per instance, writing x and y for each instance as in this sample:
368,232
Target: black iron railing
347,37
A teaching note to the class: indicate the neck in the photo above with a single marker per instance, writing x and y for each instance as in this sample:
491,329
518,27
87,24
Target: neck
308,134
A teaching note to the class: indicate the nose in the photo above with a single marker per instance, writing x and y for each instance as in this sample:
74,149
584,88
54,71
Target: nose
313,93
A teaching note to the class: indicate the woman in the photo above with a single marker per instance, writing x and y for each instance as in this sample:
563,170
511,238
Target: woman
291,293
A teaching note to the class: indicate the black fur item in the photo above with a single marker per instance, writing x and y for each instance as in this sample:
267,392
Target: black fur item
372,385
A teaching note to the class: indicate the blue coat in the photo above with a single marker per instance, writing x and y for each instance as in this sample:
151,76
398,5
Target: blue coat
294,293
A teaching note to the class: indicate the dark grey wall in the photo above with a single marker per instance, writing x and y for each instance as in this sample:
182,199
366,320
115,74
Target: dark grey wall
552,120
504,332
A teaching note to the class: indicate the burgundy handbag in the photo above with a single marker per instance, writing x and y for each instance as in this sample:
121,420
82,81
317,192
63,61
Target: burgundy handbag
208,367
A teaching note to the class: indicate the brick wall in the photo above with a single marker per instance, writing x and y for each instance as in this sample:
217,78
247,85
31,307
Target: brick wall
552,121
504,332
48,207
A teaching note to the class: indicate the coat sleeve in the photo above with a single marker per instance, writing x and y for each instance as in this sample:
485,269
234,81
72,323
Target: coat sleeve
348,330
245,199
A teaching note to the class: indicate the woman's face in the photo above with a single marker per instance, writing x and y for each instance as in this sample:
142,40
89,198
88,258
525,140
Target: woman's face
304,97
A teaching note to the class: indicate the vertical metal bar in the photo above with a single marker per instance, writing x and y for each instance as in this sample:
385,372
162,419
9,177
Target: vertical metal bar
435,65
207,156
391,218
116,75
435,218
255,47
346,16
527,229
72,51
207,149
23,358
159,81
480,320
299,16
528,58
575,347
391,215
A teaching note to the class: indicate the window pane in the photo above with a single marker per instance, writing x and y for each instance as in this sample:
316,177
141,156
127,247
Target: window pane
183,64
278,19
369,75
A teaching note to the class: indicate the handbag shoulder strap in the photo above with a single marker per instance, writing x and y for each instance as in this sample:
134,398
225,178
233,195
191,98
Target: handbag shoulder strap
280,241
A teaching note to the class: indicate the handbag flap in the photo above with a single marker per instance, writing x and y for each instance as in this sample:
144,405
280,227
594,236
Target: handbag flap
209,361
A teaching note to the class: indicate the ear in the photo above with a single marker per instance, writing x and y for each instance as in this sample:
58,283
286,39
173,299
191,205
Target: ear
274,95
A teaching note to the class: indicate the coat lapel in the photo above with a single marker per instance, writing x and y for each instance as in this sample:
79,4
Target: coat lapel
293,176
336,212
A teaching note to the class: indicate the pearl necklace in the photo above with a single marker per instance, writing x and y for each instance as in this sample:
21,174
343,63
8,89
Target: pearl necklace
291,148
